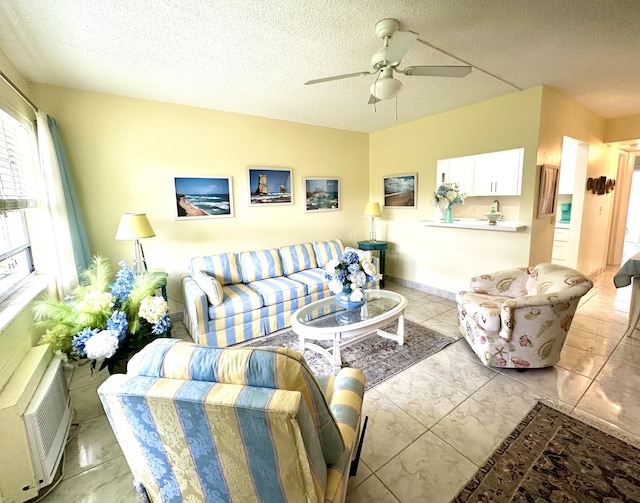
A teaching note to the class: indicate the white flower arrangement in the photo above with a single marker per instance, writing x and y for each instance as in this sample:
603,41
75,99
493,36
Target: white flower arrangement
447,194
351,272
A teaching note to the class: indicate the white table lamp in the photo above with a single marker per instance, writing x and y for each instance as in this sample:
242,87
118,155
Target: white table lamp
135,226
372,210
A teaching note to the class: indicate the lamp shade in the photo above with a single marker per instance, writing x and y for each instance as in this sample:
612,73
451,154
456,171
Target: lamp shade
372,210
385,88
134,226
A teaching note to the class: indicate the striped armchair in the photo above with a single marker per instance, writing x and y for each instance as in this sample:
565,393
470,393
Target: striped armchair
200,423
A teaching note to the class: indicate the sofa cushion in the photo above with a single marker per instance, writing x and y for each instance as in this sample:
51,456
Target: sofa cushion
261,264
210,286
297,258
238,298
277,290
328,250
224,267
279,368
314,280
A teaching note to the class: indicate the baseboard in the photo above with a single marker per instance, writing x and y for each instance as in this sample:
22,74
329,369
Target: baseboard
422,288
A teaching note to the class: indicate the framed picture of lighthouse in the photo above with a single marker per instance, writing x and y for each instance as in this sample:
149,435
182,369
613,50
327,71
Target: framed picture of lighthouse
270,186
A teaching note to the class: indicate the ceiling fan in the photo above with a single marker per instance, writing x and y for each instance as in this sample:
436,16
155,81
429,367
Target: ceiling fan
385,62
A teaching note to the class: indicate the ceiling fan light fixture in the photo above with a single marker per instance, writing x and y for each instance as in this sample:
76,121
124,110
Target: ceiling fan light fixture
384,89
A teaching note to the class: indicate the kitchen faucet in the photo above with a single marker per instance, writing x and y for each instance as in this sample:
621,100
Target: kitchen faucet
496,205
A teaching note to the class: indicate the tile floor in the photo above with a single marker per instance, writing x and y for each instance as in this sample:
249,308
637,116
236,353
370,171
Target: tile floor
434,424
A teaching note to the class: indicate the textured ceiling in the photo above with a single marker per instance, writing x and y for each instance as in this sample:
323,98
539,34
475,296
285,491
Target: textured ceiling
253,56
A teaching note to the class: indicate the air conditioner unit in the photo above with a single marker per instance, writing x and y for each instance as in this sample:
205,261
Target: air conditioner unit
47,421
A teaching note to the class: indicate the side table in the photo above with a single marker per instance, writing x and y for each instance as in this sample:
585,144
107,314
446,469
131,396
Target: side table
381,246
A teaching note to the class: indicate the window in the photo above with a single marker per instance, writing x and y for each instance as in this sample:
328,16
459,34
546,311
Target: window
18,165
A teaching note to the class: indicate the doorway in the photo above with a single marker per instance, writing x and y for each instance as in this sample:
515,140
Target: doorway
631,244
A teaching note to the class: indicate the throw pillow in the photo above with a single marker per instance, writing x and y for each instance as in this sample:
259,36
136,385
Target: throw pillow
210,286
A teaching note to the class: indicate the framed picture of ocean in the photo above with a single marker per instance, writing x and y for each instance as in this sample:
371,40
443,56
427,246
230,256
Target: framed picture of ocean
202,197
322,194
400,191
270,186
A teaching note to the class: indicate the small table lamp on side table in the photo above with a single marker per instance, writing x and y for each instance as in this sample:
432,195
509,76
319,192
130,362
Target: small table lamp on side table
381,246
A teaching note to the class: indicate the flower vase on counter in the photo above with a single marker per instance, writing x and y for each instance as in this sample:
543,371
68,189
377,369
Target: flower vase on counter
448,214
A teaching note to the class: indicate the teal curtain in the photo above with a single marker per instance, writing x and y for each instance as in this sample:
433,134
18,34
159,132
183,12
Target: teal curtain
79,241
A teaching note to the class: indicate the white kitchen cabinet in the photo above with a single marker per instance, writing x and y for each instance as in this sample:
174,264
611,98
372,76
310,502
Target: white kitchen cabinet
457,170
560,251
498,173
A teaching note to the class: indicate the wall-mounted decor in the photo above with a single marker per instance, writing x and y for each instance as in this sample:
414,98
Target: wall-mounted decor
400,191
270,186
548,190
202,197
321,194
601,185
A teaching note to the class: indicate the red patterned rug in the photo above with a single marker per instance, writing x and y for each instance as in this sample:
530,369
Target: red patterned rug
553,457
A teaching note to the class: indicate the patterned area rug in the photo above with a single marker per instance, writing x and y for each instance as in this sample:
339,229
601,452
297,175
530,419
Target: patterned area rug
554,457
377,357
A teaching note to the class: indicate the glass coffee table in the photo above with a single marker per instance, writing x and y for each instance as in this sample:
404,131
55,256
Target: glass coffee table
324,320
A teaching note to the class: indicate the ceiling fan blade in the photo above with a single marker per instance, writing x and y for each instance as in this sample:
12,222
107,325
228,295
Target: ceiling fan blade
437,71
336,77
400,43
372,100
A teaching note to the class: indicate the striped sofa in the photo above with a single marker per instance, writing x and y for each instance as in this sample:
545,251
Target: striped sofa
199,423
233,297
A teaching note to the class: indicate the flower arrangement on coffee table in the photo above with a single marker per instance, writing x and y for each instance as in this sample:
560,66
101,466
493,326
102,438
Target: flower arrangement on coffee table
350,273
104,319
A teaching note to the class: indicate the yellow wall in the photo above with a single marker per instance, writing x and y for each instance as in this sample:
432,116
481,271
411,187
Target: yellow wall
563,117
124,153
445,258
622,129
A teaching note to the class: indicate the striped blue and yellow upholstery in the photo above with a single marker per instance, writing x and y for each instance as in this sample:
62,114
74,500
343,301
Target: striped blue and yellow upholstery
297,258
224,267
199,423
328,250
261,264
278,290
313,279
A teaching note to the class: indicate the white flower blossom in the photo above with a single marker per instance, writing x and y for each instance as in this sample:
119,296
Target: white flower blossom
153,308
102,345
330,267
358,279
368,268
335,286
356,295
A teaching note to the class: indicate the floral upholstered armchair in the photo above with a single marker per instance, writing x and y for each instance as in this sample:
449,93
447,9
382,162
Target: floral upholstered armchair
519,318
200,423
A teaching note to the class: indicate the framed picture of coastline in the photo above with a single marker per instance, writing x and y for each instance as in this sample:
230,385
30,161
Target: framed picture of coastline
270,186
400,191
202,197
321,194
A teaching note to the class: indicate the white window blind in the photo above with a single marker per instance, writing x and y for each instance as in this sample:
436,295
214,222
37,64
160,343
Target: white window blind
17,161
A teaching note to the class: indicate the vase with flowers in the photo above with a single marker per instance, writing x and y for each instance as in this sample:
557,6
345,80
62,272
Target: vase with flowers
105,320
348,275
446,197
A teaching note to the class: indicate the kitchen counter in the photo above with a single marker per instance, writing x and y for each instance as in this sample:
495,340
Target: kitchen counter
477,224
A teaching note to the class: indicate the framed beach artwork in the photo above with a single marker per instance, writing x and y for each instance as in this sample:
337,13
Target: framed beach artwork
400,191
270,186
202,197
321,194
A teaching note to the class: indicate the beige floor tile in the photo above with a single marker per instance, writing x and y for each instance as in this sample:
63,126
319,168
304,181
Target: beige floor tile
581,361
111,481
363,473
613,405
507,397
460,372
591,342
601,327
389,430
554,382
442,326
428,471
627,352
86,402
93,444
616,375
474,430
370,491
421,395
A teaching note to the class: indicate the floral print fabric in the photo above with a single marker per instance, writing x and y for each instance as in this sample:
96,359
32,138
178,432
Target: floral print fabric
519,317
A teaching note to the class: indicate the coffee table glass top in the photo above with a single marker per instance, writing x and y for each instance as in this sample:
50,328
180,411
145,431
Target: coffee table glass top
326,313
